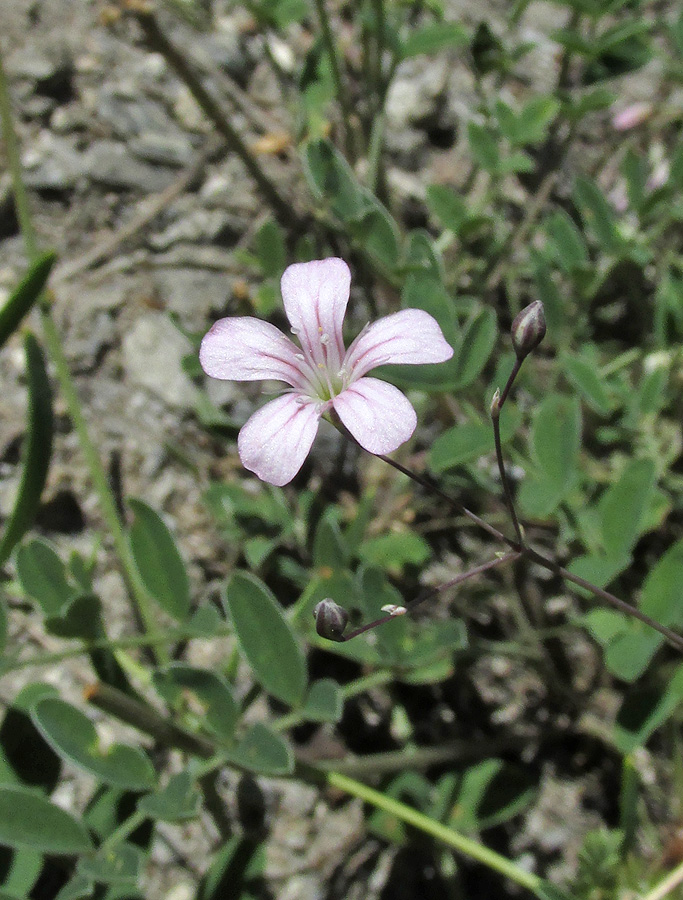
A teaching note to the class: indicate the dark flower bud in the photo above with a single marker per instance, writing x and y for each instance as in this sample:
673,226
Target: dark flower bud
330,620
528,329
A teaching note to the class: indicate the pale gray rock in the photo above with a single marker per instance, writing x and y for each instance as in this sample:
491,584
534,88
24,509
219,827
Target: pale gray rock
110,164
153,351
173,150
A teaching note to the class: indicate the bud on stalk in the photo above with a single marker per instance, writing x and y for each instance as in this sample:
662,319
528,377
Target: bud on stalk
528,329
330,620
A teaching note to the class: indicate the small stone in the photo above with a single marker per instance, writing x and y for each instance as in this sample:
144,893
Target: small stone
153,351
163,149
110,164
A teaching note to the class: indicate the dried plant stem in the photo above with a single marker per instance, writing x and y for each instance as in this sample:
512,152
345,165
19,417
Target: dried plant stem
339,82
157,41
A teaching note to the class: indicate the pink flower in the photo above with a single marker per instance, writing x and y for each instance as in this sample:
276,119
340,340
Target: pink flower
322,375
631,116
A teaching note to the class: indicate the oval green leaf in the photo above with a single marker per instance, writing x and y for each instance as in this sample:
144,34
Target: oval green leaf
42,575
556,437
266,639
264,752
28,820
72,735
158,561
623,506
177,802
210,690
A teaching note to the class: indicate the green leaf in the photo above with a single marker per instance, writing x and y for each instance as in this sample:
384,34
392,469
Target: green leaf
598,569
662,596
535,118
38,449
324,703
179,801
118,865
484,147
422,255
266,639
548,891
270,249
21,871
448,206
623,506
629,653
28,820
491,792
475,347
42,575
598,215
433,38
25,295
395,550
556,438
567,241
25,757
377,233
264,752
158,561
210,690
644,710
72,735
329,549
331,178
77,888
586,378
376,592
471,440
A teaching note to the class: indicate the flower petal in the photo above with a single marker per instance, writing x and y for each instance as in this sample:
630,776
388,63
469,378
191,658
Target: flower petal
247,349
275,441
408,337
315,295
377,414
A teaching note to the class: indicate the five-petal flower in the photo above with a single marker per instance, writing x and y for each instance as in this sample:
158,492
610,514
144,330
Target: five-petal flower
322,375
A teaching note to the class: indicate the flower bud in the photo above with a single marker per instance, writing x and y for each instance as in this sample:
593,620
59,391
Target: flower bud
528,329
330,620
495,403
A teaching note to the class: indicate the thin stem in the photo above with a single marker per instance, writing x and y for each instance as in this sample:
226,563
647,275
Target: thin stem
157,41
496,407
339,82
468,847
458,579
172,636
14,164
98,477
68,388
413,758
120,834
666,885
147,720
674,639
